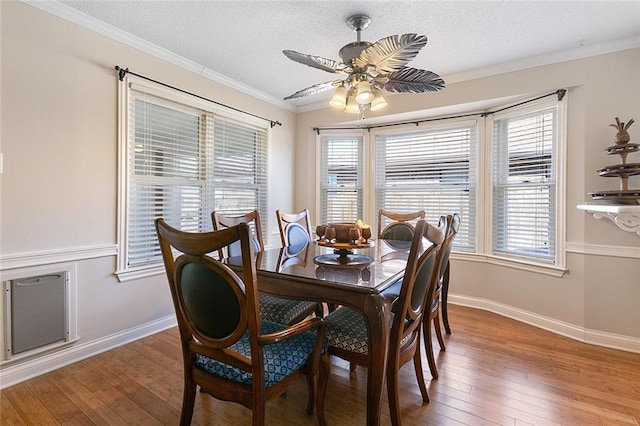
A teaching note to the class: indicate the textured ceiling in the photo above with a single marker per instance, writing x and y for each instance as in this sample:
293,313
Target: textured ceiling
243,40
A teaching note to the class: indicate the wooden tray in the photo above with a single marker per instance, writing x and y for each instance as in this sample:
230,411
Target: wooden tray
345,246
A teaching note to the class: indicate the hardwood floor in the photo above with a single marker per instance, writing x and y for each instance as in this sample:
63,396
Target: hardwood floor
494,371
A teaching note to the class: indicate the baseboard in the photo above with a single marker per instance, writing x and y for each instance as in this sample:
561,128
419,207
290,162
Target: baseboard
14,374
599,338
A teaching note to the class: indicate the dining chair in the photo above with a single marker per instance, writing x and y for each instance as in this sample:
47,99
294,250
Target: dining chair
227,349
397,226
221,221
454,227
396,230
272,308
436,291
295,228
347,333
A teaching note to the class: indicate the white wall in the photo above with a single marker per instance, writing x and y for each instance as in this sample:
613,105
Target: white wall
598,299
59,184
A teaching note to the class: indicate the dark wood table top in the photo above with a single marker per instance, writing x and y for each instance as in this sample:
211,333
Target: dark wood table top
367,270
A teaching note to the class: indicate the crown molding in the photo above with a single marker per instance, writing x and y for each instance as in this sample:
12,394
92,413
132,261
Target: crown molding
68,13
579,52
72,15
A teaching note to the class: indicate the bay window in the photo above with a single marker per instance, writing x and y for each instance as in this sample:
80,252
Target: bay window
502,172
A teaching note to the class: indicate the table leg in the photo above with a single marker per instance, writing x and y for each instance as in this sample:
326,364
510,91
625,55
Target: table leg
376,311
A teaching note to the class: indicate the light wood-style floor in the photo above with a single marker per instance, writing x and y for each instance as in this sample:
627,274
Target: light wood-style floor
494,371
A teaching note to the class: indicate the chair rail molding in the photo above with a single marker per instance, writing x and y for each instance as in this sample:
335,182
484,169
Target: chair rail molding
626,217
67,254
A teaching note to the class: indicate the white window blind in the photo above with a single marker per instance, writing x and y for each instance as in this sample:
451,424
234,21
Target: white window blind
239,168
183,163
341,179
433,169
524,185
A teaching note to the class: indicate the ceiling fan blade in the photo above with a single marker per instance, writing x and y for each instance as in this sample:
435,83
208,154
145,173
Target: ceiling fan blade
318,88
318,62
391,53
412,80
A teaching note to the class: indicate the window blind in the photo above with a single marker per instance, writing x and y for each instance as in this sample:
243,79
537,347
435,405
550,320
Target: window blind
524,185
341,179
239,167
430,169
185,162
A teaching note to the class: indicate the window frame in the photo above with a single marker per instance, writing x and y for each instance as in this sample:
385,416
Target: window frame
558,266
443,127
362,166
483,250
174,99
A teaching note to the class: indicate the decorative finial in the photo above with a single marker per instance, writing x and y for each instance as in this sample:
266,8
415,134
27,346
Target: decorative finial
622,136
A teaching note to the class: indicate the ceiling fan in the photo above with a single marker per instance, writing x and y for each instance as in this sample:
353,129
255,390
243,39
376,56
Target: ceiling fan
369,69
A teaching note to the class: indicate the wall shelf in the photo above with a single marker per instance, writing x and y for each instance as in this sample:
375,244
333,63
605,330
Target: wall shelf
626,217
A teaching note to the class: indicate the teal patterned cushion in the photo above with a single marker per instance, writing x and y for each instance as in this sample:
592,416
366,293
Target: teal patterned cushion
347,330
280,359
276,309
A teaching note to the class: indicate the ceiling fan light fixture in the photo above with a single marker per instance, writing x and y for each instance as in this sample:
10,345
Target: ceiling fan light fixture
378,101
339,98
352,106
370,68
365,95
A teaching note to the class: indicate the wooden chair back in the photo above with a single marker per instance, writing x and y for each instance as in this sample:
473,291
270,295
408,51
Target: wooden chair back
432,312
397,226
295,228
453,226
409,310
221,221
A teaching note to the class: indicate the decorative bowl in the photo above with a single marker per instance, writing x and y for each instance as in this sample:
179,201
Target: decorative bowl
346,232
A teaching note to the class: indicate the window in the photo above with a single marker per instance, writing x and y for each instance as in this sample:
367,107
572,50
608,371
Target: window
502,172
524,184
180,160
432,169
341,179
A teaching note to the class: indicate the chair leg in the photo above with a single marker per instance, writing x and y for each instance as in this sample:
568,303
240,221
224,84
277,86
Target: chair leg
188,401
445,296
436,325
393,394
426,326
312,384
417,365
323,378
259,414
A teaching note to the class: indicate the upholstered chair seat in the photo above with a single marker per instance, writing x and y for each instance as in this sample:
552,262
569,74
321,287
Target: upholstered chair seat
280,359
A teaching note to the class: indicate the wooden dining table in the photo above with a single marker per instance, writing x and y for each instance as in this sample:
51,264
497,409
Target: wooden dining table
314,272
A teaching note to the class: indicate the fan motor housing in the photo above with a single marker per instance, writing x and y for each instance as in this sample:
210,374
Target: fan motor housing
352,50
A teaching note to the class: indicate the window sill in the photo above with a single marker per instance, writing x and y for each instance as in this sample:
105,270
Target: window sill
132,274
551,270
